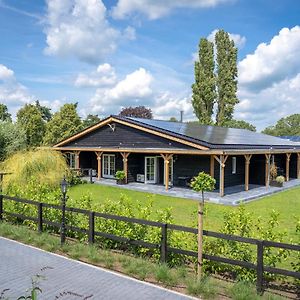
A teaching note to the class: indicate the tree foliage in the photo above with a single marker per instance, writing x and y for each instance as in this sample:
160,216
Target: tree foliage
12,139
215,84
4,114
226,77
30,119
203,183
204,88
90,120
239,124
289,125
44,110
63,124
136,112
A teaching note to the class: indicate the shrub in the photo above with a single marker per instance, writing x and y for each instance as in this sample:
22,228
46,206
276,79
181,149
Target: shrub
120,175
273,171
280,179
43,166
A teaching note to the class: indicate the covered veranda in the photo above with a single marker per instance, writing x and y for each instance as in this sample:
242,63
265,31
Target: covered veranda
254,174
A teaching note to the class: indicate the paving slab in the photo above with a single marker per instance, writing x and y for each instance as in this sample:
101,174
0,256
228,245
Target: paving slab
233,195
68,279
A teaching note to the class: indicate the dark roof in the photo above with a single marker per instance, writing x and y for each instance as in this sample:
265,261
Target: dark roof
293,138
214,136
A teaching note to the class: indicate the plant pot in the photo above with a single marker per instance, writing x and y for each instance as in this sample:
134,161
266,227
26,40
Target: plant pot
275,183
121,181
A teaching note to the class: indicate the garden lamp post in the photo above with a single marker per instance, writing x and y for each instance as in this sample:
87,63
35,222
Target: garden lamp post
64,187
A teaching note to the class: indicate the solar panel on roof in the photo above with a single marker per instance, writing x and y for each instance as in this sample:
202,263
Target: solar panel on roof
217,135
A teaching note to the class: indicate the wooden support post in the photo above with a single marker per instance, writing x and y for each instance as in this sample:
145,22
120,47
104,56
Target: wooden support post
212,166
164,243
287,166
125,163
222,162
167,158
267,170
77,161
298,165
99,157
247,163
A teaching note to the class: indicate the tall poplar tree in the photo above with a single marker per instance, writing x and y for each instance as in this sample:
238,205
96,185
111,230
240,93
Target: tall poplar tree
226,81
204,88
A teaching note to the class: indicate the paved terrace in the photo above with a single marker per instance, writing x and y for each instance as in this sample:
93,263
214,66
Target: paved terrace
68,279
233,195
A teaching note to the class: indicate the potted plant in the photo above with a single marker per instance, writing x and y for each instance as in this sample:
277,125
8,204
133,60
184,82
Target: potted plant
273,175
120,177
279,181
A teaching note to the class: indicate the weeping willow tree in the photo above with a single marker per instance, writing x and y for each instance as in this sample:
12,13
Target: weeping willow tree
34,168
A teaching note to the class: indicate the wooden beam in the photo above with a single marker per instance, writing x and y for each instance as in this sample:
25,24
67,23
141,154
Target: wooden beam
222,161
267,170
167,158
247,164
77,160
287,166
125,163
99,157
298,165
212,166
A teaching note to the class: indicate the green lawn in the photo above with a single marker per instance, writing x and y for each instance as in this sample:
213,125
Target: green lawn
287,203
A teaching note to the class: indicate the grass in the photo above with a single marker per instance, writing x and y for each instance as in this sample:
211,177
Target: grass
181,279
287,203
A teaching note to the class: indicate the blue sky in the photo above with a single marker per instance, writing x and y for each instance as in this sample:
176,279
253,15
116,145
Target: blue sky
111,54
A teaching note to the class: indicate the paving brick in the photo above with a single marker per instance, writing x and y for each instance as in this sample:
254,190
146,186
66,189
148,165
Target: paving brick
68,278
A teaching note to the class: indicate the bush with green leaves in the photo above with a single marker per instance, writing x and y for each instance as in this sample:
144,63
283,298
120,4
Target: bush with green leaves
236,222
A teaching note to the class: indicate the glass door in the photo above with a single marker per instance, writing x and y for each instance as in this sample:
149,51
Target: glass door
150,169
109,169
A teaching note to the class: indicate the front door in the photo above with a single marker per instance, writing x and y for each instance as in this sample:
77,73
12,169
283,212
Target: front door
150,169
109,168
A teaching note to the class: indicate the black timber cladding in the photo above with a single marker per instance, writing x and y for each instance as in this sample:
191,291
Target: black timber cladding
123,137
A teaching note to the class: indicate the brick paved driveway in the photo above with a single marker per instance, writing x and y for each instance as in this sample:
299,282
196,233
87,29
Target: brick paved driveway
67,278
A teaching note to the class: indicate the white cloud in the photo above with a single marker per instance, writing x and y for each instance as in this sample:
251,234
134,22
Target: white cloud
239,40
269,80
6,73
155,9
267,106
103,76
12,93
273,62
134,89
167,105
79,28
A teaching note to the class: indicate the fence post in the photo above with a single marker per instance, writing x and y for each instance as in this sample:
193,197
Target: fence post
164,243
40,217
260,267
91,227
1,207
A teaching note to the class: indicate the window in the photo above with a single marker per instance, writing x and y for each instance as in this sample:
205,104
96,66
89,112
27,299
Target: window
72,160
233,165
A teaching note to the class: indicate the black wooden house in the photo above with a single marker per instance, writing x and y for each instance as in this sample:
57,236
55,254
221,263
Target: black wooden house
171,153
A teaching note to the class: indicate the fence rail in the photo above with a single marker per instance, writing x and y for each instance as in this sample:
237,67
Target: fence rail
163,245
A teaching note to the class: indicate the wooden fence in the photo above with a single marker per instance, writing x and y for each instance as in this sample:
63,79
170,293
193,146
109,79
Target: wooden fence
163,245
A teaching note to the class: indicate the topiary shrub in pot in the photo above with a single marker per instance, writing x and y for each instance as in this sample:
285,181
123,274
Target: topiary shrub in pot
280,180
120,177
